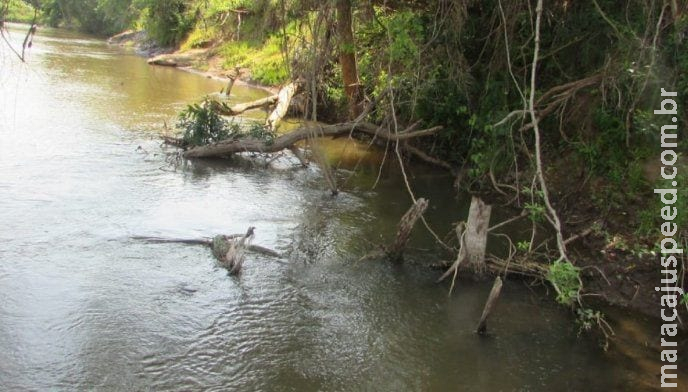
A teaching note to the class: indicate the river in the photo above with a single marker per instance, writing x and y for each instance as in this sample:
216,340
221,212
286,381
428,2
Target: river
83,306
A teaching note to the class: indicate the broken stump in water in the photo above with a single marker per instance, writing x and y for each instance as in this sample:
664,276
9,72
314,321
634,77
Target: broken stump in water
476,234
406,224
472,240
489,305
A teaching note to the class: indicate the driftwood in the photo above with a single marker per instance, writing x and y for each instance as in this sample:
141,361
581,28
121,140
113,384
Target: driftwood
395,252
228,249
230,252
286,141
489,305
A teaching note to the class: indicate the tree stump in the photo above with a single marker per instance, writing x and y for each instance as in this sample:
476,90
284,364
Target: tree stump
472,241
476,234
406,224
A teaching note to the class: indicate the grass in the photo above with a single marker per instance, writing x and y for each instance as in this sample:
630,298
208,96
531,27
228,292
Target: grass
265,60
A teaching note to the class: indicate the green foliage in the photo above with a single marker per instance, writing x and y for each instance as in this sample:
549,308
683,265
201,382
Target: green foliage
684,299
101,17
167,21
265,60
202,125
536,211
18,11
650,219
523,246
565,278
260,132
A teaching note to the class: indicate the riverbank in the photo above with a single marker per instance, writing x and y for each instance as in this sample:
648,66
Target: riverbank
201,61
617,265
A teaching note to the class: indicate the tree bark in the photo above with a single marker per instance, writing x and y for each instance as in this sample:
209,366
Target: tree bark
284,97
347,57
476,234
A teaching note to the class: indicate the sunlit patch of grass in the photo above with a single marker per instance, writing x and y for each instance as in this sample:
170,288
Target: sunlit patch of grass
200,37
266,61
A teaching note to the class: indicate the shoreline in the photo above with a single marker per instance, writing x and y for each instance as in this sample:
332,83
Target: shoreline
184,60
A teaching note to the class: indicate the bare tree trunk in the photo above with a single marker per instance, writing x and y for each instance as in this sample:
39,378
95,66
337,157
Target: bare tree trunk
347,57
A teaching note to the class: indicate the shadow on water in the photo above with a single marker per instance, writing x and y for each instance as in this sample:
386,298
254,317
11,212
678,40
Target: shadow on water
86,307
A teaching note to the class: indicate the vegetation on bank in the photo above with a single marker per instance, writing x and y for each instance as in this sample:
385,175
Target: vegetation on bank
469,67
19,11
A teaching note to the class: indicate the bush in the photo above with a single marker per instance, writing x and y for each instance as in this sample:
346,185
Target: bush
565,278
202,125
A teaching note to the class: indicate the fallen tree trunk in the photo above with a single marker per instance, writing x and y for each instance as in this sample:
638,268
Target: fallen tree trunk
249,144
224,109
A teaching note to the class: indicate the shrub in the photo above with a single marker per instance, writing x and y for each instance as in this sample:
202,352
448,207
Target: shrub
565,278
202,125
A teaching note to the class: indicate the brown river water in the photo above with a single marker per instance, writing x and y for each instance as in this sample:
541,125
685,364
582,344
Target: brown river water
85,307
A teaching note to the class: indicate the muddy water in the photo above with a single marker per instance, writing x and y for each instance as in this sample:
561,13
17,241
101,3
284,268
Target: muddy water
85,307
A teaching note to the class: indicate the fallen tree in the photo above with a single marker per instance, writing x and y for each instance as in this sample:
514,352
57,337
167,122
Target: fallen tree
286,141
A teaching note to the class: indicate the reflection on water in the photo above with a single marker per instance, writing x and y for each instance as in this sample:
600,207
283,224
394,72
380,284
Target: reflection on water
84,306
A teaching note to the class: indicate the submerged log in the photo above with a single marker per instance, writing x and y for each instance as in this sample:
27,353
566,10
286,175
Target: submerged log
396,251
489,305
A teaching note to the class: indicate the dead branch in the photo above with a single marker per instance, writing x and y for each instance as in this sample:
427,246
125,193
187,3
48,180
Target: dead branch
553,216
523,214
427,158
